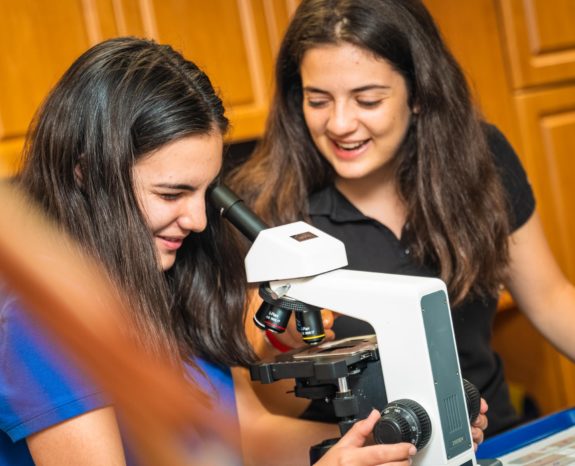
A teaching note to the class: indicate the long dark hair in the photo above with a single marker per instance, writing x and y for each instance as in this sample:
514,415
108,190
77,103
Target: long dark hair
446,173
120,100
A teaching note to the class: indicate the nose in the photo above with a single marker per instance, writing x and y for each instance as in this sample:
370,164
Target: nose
192,216
342,119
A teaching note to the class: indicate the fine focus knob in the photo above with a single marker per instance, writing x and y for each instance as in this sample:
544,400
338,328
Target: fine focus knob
473,399
403,421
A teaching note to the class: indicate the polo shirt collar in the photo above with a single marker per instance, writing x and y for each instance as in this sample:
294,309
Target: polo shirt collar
331,203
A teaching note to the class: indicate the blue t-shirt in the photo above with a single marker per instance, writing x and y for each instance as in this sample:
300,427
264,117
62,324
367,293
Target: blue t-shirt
40,385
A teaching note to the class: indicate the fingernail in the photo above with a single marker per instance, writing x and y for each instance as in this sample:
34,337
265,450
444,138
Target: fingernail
412,450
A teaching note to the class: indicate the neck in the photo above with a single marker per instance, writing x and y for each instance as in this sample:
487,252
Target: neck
377,197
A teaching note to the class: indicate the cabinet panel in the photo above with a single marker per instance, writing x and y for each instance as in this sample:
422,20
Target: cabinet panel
540,40
471,30
235,41
184,25
547,124
534,365
38,41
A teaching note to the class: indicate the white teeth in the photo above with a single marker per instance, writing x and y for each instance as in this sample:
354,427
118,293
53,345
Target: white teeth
350,146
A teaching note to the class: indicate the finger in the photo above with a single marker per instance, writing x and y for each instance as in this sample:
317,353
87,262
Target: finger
327,318
358,434
481,422
483,407
329,335
477,435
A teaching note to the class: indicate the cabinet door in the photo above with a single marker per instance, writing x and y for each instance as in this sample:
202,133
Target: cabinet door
547,124
234,41
38,40
471,29
540,37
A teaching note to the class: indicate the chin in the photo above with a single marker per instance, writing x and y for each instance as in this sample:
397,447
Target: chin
168,263
352,174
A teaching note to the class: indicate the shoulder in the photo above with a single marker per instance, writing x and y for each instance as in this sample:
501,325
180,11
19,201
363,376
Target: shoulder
40,383
515,183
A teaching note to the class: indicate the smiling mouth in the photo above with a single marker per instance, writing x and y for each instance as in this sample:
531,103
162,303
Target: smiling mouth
173,239
171,242
350,146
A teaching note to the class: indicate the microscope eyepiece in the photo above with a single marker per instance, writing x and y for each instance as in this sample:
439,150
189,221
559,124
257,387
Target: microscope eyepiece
234,209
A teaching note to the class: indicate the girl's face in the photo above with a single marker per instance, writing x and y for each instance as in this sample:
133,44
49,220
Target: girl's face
170,185
356,108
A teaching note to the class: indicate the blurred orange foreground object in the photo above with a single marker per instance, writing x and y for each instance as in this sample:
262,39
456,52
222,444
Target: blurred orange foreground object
71,296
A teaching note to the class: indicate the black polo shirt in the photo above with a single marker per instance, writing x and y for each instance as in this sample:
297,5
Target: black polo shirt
372,247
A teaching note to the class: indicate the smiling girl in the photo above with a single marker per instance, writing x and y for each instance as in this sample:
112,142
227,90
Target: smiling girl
374,138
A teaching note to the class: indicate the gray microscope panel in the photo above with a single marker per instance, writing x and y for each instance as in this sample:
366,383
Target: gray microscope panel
445,368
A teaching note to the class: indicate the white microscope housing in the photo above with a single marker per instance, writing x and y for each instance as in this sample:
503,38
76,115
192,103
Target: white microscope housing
410,315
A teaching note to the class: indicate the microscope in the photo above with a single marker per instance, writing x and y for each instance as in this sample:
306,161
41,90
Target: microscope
408,370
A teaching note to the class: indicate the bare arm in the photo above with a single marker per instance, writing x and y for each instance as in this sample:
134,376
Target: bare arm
540,288
92,439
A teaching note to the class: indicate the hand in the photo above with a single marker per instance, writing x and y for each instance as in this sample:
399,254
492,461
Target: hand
350,450
479,425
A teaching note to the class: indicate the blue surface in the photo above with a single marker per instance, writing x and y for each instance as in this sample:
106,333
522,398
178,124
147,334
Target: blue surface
527,434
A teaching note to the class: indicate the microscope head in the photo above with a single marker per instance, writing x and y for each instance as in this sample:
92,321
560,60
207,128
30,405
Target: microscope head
278,253
291,251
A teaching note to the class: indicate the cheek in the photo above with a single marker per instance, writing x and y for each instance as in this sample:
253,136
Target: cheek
392,124
312,121
151,212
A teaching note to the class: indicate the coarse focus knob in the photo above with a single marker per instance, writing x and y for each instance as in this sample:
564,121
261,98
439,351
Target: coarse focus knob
403,421
473,399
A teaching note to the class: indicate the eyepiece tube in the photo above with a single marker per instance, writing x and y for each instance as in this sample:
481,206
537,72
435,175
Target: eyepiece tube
233,208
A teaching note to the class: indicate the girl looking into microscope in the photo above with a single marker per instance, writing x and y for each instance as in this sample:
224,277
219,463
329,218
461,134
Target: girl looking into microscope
120,156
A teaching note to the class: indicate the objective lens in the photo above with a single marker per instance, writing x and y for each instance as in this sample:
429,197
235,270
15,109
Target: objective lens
272,318
310,325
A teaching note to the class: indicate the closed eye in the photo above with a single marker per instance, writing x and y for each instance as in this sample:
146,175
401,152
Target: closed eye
170,196
369,103
316,103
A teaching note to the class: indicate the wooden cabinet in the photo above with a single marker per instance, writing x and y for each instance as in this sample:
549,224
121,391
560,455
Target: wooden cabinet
540,41
519,56
234,41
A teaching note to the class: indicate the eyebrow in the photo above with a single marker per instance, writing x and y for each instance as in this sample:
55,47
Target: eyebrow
368,87
182,187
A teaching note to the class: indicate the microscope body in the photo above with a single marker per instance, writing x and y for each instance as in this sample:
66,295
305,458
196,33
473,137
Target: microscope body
411,318
416,346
